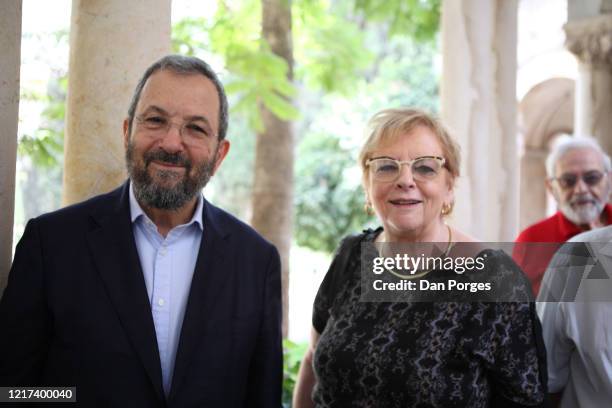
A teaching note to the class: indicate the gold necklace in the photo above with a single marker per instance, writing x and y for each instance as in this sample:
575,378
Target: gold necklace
423,273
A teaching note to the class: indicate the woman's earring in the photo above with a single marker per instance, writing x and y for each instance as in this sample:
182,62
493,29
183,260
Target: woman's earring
446,209
368,208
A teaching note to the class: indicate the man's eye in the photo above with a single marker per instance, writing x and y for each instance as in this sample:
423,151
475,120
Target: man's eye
568,180
196,128
155,120
592,178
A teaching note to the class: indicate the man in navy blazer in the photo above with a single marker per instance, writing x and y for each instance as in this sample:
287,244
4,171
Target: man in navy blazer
149,296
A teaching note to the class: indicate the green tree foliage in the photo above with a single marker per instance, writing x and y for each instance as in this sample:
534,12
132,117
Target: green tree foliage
40,149
329,198
417,19
256,75
45,146
329,54
329,201
41,155
292,357
352,58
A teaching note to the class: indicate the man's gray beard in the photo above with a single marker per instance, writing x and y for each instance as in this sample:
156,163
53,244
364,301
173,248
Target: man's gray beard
585,214
151,194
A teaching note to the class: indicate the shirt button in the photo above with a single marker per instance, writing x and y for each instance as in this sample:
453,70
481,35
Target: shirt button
162,251
161,302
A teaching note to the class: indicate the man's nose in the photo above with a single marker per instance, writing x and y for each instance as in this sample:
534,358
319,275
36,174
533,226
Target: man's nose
172,140
581,186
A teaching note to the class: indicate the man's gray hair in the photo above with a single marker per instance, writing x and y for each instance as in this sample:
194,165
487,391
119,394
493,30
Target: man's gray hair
180,64
566,143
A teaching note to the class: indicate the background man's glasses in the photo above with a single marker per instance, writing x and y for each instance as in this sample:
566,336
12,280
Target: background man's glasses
424,168
569,180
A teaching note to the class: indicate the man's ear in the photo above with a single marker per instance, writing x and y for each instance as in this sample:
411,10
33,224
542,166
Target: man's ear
552,190
224,146
126,134
549,187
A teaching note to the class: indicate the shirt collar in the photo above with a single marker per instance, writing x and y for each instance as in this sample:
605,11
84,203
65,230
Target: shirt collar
136,210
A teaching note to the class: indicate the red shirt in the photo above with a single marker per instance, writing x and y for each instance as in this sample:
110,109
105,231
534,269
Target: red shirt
534,259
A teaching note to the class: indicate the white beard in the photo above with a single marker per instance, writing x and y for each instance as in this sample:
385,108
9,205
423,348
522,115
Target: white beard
583,214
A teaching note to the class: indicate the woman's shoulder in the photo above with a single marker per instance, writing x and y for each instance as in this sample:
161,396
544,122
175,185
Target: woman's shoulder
343,273
348,248
367,235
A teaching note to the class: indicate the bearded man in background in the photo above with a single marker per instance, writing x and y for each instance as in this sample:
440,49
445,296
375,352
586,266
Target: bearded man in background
579,180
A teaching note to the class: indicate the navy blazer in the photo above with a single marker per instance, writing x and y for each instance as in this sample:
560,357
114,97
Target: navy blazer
76,313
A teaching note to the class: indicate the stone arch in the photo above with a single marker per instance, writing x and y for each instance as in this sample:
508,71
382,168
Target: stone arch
546,111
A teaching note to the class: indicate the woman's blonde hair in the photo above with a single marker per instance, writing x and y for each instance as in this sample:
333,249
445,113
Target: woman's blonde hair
389,124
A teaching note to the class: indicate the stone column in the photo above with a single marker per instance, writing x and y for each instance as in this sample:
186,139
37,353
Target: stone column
10,49
533,198
590,39
545,112
583,103
478,94
112,42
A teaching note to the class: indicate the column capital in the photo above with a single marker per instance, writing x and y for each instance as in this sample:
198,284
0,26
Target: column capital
590,39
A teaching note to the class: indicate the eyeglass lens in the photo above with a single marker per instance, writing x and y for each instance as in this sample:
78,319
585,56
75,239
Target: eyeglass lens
590,178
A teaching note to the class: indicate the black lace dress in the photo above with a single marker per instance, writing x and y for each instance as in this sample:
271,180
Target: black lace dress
451,354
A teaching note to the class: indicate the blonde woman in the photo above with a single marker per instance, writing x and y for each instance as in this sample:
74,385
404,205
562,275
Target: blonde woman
427,354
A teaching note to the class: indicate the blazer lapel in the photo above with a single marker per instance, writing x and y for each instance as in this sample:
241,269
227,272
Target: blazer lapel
115,255
206,285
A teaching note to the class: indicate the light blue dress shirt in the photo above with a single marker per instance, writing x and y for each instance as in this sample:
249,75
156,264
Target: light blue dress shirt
167,264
